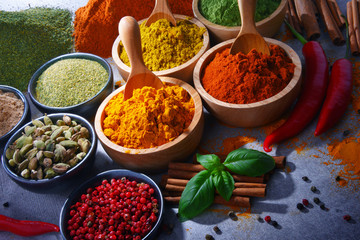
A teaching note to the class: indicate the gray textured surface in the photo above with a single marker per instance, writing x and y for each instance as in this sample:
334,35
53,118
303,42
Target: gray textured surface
285,188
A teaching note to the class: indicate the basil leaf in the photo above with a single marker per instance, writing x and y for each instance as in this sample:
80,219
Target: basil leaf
197,195
249,162
224,183
210,161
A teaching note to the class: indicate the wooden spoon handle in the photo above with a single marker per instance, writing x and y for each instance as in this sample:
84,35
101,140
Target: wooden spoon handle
130,36
247,13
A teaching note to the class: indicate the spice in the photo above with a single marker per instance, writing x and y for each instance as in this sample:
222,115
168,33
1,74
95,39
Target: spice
267,219
96,24
305,202
322,206
347,217
232,216
338,178
119,208
274,223
149,118
345,152
46,150
165,46
243,79
300,206
316,200
28,39
226,12
305,178
209,237
26,228
11,111
313,189
217,230
69,82
6,204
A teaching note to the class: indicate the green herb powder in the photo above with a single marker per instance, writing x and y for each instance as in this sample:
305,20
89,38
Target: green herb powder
226,12
70,81
28,39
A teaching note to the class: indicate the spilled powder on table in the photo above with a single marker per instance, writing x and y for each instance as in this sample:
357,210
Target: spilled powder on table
345,153
287,35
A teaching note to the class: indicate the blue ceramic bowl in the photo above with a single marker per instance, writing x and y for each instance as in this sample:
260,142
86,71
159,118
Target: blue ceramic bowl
32,184
95,181
86,109
23,118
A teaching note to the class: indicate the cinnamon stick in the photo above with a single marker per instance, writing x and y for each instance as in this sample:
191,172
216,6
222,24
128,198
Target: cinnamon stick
334,32
352,38
237,201
182,182
338,12
293,17
335,14
355,17
249,192
307,17
175,173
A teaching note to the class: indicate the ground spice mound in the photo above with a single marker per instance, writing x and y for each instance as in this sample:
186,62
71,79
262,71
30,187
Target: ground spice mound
243,79
346,153
150,118
11,111
96,24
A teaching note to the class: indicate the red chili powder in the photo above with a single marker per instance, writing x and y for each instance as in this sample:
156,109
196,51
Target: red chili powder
249,78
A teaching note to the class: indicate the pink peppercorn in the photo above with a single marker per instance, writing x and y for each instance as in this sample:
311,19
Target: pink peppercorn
305,202
347,217
267,219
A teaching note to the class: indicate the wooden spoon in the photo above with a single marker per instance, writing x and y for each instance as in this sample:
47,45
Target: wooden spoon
161,11
140,75
248,37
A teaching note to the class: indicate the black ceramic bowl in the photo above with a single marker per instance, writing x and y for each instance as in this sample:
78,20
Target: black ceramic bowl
23,118
46,183
86,109
96,181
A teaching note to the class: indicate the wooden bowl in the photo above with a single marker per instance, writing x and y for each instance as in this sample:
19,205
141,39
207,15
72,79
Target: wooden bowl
267,27
183,71
253,114
154,159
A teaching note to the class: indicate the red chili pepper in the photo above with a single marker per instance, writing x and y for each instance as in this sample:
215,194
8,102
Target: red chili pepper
313,93
338,95
26,228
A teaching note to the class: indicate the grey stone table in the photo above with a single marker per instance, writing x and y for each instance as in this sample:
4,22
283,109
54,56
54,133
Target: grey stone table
306,156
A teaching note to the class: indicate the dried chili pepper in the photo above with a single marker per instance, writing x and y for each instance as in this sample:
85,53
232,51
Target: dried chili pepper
338,94
26,228
313,93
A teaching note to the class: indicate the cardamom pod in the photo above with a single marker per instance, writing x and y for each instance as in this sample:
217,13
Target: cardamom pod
84,132
39,144
33,174
37,123
56,133
25,149
47,162
17,157
32,153
39,132
67,120
33,164
60,139
39,174
68,144
12,163
67,134
23,165
29,130
73,123
25,173
40,155
84,145
60,167
46,128
47,120
48,154
22,141
72,162
60,122
81,155
50,173
9,153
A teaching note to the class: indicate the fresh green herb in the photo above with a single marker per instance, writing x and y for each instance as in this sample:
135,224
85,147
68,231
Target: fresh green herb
30,38
249,162
198,194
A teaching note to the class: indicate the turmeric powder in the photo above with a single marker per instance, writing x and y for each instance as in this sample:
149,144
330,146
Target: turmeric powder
165,46
149,118
347,151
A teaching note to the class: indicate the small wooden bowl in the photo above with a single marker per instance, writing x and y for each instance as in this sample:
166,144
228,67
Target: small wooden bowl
267,27
183,71
154,159
253,114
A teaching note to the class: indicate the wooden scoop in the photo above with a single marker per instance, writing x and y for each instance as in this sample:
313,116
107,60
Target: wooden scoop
140,75
248,37
161,11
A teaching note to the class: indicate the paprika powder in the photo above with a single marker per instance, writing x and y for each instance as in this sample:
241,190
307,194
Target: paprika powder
243,79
